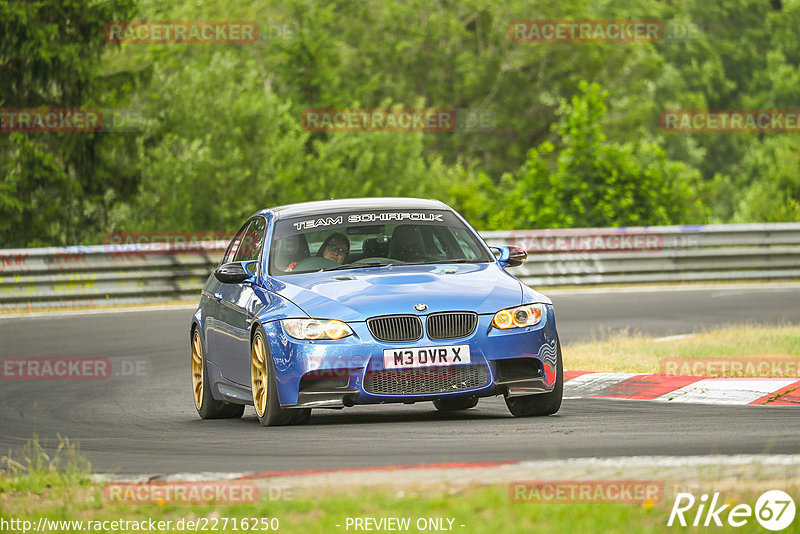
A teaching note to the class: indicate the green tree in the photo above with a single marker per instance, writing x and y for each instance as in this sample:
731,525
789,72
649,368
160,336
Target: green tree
774,196
214,148
52,185
592,182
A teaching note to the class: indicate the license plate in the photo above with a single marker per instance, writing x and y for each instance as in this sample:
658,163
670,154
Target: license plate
425,356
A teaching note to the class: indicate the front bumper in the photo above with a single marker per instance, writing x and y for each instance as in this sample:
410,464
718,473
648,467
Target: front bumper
350,371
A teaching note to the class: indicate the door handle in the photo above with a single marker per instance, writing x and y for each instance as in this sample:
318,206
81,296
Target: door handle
218,297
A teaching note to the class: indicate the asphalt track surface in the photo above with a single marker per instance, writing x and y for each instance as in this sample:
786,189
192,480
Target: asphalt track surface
147,424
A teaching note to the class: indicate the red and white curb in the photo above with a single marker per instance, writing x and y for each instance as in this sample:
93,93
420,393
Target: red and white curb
684,389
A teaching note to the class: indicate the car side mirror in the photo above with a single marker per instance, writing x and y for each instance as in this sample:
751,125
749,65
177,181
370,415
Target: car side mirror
238,272
510,256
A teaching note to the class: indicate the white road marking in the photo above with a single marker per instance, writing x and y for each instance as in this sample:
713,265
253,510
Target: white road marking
726,390
758,466
673,338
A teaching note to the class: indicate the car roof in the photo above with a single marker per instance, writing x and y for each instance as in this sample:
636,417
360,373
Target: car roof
376,203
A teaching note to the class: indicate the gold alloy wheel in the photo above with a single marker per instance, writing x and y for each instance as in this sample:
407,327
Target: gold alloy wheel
197,370
258,375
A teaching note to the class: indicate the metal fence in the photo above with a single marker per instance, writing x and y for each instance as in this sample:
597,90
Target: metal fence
153,272
656,254
105,274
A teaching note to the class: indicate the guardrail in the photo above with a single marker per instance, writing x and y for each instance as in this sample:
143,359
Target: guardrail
656,254
103,274
153,272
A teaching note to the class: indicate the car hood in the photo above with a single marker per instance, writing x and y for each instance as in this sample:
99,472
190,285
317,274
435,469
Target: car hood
356,294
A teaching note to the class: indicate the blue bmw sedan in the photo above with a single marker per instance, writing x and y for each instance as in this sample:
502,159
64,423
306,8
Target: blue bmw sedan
366,301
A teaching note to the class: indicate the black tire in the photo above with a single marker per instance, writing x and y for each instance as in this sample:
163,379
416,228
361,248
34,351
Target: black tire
451,405
208,407
270,413
544,403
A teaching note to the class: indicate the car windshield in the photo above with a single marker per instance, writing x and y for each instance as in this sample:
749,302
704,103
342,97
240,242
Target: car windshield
357,239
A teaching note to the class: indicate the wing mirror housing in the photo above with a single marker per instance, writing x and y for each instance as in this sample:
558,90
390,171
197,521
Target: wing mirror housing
238,272
510,256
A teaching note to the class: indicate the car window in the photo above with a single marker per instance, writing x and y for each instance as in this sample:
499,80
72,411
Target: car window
233,247
468,246
372,238
437,245
252,241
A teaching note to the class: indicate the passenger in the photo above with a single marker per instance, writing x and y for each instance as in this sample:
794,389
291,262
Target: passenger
335,248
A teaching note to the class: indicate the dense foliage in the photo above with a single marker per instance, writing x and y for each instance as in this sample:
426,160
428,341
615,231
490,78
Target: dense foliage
214,131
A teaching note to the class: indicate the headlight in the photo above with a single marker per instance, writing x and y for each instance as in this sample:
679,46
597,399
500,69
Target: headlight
519,317
316,328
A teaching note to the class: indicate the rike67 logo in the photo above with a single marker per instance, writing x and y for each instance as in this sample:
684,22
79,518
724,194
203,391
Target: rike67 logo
774,510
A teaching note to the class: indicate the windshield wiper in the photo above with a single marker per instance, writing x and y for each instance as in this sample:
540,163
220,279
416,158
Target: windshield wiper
360,265
446,261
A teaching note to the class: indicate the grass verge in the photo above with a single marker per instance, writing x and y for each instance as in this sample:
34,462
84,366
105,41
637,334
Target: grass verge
474,510
58,491
746,351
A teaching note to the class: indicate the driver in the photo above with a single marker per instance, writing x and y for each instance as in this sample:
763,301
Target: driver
335,248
